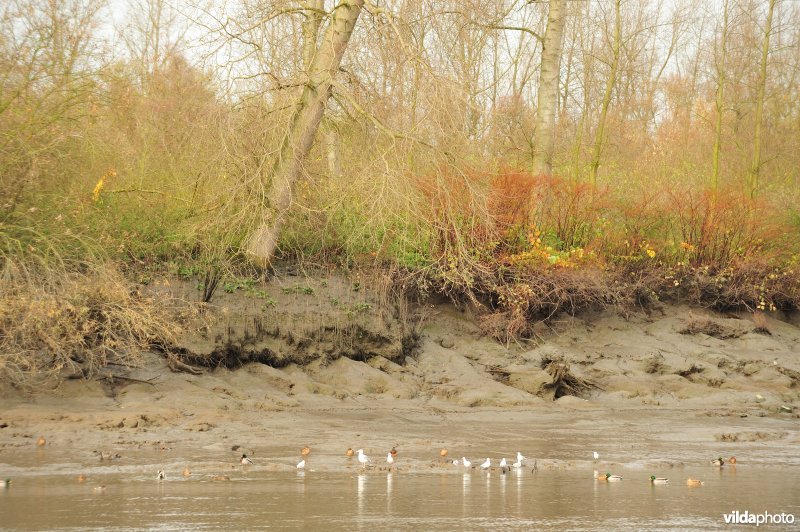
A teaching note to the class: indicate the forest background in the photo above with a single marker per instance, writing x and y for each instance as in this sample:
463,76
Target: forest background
527,157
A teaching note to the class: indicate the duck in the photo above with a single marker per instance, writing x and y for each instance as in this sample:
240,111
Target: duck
718,462
5,483
99,489
81,478
443,452
486,464
305,451
598,476
658,480
732,460
301,464
161,475
244,460
41,441
694,482
349,452
611,478
186,472
466,462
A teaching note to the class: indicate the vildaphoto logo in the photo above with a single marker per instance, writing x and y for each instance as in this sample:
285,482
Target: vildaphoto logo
746,518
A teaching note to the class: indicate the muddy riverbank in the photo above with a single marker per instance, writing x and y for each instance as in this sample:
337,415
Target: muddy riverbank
334,366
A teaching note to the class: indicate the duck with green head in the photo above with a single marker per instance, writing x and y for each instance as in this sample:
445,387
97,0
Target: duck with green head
658,480
719,462
5,483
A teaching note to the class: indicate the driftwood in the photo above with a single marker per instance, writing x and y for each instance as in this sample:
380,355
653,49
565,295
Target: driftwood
564,382
176,365
111,377
792,374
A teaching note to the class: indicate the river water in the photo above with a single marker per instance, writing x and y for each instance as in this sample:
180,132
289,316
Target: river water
376,500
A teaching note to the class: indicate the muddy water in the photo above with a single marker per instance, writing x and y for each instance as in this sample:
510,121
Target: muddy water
375,500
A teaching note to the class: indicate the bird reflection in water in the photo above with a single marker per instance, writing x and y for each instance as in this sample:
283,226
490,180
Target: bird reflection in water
361,493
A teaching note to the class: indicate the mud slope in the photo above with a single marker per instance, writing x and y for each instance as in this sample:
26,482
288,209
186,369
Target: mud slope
337,365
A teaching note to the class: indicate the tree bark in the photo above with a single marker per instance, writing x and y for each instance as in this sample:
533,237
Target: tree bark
616,49
755,167
587,39
302,129
547,96
719,102
310,28
332,148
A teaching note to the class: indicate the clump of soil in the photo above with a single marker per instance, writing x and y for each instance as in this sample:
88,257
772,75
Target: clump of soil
792,374
711,328
691,370
749,436
655,364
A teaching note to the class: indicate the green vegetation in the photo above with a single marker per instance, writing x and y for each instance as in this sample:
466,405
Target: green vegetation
146,167
298,289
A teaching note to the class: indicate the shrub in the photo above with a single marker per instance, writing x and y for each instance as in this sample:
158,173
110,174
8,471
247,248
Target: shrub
74,324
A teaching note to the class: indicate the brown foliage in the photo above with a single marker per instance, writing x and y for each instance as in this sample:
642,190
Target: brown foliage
521,302
511,198
569,208
74,326
454,205
720,227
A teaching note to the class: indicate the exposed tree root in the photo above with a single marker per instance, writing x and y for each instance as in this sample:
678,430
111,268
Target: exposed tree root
564,382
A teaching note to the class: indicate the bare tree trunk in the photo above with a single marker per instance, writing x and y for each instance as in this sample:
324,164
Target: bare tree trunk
755,168
314,11
303,128
332,148
587,62
719,101
563,96
616,48
547,96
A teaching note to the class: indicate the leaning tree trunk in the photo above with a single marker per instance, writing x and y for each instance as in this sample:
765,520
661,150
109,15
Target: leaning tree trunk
314,9
303,128
547,96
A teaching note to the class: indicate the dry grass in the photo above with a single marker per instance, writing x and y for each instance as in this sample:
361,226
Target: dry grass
72,325
760,321
517,304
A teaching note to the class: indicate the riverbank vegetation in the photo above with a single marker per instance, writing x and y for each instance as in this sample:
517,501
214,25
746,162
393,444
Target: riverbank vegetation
165,145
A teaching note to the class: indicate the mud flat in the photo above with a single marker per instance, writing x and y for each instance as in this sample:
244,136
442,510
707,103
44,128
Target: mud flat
325,363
